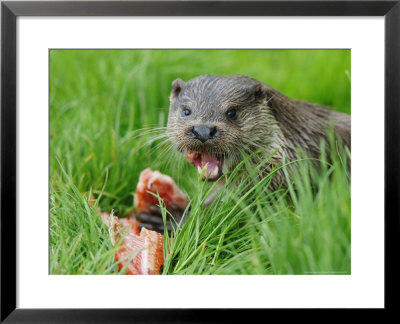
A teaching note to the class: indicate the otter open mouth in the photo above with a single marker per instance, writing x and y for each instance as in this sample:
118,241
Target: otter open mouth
212,163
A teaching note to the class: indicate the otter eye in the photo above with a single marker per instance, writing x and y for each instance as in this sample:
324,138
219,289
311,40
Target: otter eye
232,114
186,112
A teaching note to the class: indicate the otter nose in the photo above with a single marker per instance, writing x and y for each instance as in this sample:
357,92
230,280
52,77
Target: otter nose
204,133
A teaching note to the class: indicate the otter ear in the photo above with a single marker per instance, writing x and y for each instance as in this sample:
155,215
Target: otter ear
176,88
260,92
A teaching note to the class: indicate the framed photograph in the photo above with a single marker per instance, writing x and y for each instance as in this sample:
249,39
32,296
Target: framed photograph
231,148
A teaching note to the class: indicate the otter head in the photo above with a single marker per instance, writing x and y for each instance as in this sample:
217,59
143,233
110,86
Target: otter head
216,120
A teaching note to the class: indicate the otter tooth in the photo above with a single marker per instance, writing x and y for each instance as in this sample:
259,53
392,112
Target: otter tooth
224,167
214,173
199,169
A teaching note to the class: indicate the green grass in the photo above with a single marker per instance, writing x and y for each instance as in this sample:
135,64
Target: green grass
101,100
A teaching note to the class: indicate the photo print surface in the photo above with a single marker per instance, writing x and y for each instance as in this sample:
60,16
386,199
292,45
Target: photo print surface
195,162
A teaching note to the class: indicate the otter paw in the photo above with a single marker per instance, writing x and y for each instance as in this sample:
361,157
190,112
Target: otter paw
153,220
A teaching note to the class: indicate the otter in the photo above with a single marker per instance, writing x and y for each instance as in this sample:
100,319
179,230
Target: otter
216,120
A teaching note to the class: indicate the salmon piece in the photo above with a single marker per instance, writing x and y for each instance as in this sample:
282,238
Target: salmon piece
141,251
134,224
156,182
141,254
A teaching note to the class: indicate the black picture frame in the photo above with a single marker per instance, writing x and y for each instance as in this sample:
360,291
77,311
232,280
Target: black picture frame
10,10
